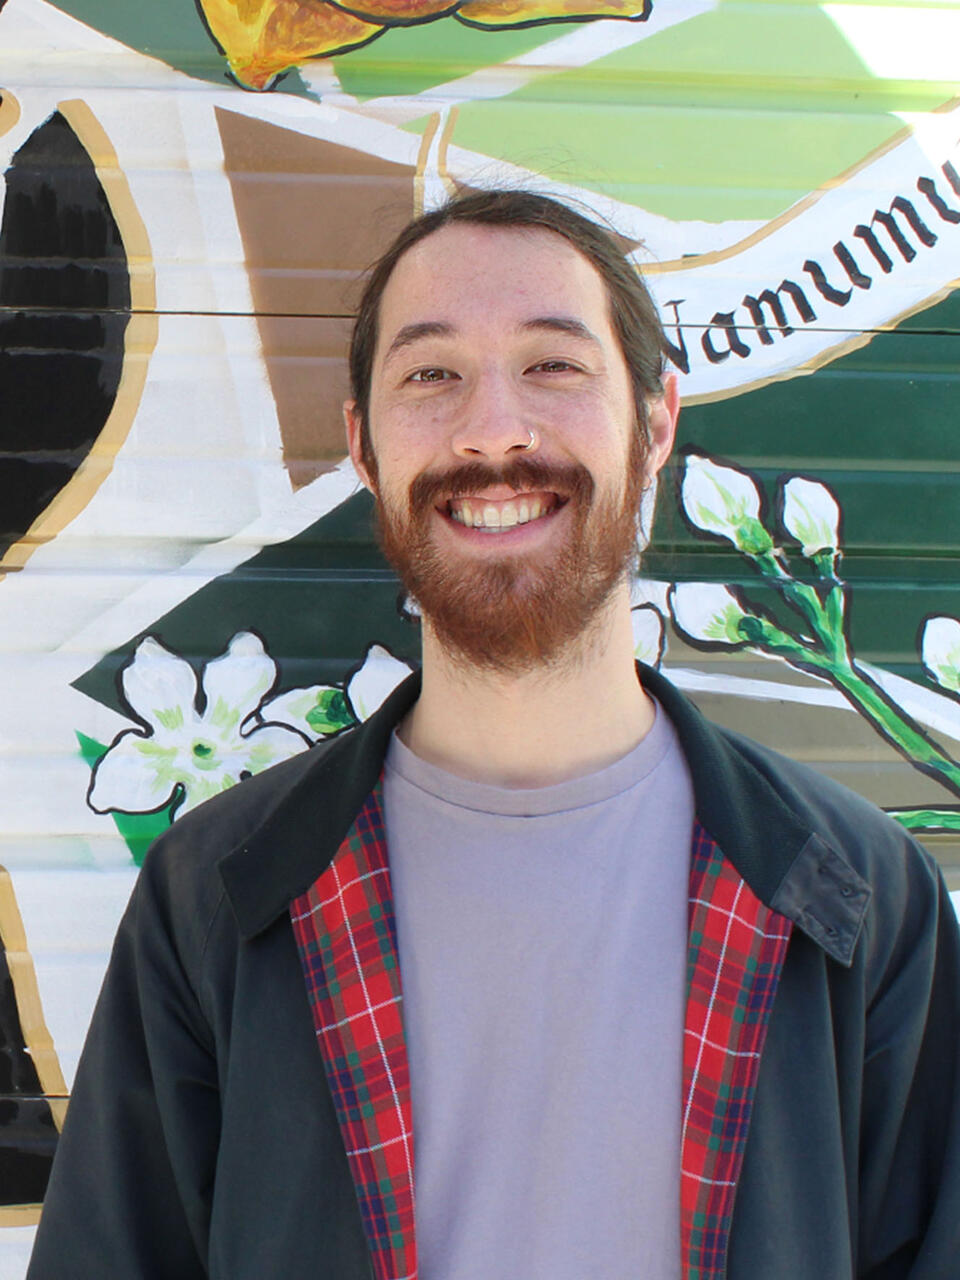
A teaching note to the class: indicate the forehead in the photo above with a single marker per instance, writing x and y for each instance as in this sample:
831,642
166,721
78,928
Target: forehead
480,278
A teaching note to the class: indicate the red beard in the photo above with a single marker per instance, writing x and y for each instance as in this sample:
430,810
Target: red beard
520,611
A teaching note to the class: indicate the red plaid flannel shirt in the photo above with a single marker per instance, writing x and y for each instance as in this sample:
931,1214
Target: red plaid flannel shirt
346,935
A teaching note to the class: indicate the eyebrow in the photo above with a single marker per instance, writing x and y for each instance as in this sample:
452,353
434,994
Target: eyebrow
411,333
563,324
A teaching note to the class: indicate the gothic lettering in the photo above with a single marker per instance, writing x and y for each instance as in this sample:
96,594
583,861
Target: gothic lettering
677,355
771,298
735,345
929,189
849,264
892,226
839,297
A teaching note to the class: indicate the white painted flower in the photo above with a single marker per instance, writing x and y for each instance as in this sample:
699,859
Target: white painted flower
723,500
811,514
707,612
322,710
374,680
648,634
940,651
184,751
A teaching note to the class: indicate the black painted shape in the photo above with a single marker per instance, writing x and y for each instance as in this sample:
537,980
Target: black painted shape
64,309
28,1135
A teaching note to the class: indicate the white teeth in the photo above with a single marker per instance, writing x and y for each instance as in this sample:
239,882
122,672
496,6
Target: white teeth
492,518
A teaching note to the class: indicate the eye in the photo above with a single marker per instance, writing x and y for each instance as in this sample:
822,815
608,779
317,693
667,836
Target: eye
553,366
432,374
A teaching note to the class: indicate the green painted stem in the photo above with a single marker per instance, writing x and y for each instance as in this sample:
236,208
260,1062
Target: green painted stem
887,718
927,819
826,625
896,727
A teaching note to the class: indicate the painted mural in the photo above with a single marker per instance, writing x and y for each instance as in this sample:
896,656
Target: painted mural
190,590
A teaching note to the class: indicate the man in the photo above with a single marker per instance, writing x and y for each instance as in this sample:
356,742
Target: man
629,996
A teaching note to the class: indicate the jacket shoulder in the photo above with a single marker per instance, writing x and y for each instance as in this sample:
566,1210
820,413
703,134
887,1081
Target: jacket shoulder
841,817
182,864
908,901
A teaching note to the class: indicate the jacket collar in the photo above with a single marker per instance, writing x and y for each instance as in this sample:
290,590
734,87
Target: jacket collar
767,831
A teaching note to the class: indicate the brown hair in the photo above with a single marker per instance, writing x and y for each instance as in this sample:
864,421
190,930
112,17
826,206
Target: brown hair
632,310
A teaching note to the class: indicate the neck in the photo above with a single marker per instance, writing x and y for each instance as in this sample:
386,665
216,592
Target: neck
543,726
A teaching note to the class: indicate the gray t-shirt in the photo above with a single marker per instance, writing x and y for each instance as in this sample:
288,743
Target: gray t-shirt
542,937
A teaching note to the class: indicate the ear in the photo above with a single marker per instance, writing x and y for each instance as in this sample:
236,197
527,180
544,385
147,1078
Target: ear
662,412
354,424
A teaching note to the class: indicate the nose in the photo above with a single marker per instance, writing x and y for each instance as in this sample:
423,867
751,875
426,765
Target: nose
492,424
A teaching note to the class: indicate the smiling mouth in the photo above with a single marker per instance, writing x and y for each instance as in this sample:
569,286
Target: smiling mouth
497,517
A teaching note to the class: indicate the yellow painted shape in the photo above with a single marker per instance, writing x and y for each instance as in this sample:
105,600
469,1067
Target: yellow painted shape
9,110
21,1215
262,38
403,11
507,13
37,1038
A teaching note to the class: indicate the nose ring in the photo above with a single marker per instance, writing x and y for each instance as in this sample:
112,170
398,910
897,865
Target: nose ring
530,443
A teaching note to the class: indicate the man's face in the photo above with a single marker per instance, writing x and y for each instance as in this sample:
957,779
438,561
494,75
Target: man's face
507,460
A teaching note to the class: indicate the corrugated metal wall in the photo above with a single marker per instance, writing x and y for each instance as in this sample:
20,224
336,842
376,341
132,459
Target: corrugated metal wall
190,587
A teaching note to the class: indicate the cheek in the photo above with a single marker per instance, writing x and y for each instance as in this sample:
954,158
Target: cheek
405,437
597,431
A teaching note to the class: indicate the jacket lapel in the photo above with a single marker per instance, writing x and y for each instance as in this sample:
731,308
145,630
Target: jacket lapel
346,935
735,951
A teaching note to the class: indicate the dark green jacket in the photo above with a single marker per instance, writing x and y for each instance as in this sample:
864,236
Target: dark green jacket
202,1140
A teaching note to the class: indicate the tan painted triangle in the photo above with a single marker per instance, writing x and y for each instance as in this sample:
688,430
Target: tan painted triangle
9,111
313,215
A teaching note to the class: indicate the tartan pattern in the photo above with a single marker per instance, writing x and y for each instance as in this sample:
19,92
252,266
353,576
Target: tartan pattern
346,935
735,950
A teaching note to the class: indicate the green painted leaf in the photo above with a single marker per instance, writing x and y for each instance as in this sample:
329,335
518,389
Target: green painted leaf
331,713
139,830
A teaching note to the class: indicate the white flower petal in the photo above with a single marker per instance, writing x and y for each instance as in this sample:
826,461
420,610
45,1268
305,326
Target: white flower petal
650,591
375,681
198,788
648,644
262,747
706,611
716,498
133,776
235,682
940,651
291,707
268,744
160,687
811,514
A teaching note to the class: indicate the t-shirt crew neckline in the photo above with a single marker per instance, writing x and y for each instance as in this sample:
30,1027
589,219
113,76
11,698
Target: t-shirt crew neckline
574,793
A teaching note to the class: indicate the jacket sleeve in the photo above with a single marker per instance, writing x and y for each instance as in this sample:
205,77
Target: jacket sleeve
910,1124
129,1194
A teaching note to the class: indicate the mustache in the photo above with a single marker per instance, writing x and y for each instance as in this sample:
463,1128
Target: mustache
570,480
